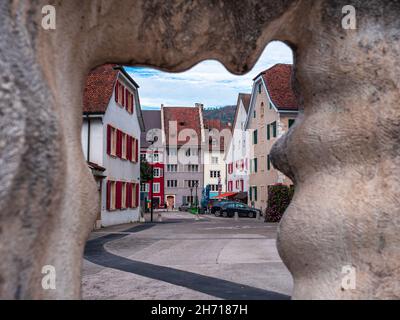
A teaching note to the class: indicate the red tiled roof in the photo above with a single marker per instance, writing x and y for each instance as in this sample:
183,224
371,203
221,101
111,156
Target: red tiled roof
278,80
217,124
186,118
99,88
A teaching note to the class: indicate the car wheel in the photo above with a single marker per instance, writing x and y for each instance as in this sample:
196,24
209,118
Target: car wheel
217,213
225,214
251,214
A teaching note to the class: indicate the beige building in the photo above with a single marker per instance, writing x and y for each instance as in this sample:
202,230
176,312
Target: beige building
273,109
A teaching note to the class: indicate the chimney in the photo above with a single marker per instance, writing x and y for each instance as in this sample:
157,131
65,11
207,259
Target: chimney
199,105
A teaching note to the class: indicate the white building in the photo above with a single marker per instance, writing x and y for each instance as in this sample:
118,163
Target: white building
237,155
218,136
112,123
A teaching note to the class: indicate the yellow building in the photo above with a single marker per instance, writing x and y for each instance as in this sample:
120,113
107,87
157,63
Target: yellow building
273,110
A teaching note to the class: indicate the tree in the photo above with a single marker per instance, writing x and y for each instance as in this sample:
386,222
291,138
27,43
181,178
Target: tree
145,170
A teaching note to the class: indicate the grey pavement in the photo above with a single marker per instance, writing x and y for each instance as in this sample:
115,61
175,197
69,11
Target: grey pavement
181,258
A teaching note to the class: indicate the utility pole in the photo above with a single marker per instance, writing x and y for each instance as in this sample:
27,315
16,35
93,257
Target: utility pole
151,142
197,197
151,190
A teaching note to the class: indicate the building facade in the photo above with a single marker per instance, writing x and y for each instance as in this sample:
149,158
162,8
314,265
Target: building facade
153,152
237,156
273,110
183,138
112,124
218,136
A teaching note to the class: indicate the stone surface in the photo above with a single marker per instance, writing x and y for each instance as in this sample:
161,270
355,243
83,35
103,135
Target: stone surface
343,154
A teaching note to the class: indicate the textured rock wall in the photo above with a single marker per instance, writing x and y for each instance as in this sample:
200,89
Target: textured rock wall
343,154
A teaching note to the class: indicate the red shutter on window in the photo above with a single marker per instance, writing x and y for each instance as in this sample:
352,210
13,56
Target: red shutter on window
119,143
132,103
128,148
128,195
108,197
123,95
136,150
116,91
137,195
109,129
118,195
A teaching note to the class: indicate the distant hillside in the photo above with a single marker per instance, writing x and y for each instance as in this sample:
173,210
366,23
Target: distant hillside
225,114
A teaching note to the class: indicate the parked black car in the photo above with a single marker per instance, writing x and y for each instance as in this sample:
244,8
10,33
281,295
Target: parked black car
243,210
215,206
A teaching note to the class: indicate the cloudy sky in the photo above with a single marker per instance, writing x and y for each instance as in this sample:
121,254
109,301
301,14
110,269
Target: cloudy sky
208,82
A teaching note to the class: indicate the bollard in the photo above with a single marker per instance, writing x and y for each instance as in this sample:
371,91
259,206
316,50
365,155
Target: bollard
258,215
236,216
197,218
159,217
142,219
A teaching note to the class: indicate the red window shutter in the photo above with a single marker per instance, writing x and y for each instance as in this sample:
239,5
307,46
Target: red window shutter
127,99
137,149
109,128
137,195
123,95
132,104
118,195
116,91
128,148
132,148
108,197
119,143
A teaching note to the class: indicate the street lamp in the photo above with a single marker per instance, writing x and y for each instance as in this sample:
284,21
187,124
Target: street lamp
197,197
151,142
191,196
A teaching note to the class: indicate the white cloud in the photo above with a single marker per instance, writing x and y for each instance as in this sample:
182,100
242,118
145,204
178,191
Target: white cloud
208,82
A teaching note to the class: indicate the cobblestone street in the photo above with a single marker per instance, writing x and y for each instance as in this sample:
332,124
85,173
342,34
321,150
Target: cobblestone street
181,258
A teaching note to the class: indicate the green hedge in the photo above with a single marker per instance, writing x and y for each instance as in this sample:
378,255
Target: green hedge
279,197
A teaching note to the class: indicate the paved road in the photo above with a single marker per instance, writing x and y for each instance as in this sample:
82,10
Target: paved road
180,258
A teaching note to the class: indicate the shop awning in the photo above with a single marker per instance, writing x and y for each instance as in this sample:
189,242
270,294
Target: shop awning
225,195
